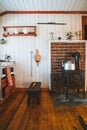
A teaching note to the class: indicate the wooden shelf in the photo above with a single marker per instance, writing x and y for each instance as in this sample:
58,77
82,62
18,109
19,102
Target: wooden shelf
29,34
10,31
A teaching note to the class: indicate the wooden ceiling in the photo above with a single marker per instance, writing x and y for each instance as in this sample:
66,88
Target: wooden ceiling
43,5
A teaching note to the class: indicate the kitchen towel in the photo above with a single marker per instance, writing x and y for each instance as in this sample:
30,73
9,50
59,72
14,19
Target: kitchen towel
8,75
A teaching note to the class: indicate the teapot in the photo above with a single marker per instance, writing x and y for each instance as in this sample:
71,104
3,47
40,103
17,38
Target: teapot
68,65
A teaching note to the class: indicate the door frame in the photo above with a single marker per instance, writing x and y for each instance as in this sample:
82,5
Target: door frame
84,22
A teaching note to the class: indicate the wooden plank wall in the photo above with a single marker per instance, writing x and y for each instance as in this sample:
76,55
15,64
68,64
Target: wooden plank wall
19,48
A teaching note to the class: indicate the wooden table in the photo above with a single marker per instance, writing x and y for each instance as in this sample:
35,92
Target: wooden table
34,92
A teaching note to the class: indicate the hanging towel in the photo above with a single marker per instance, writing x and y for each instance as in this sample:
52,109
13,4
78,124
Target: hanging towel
8,76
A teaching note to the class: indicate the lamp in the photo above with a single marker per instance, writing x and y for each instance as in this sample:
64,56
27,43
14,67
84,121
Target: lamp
37,57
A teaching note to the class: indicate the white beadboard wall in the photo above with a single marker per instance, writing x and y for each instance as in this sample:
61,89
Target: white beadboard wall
20,48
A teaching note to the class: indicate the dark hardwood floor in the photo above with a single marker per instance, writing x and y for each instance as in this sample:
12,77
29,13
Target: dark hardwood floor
16,115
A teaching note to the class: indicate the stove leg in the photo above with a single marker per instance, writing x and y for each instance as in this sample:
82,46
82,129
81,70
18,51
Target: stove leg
66,94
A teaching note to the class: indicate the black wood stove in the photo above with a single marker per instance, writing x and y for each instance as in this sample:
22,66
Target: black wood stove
70,79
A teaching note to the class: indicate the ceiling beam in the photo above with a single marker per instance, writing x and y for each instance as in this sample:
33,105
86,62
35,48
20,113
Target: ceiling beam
43,12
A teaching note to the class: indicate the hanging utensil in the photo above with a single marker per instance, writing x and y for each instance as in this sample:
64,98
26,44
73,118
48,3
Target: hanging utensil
31,62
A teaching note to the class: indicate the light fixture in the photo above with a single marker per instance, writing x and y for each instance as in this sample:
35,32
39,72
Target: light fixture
37,57
53,23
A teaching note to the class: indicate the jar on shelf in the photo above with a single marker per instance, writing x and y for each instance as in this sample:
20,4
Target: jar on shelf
16,31
25,31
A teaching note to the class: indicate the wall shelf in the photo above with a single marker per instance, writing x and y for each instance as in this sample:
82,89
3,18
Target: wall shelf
19,31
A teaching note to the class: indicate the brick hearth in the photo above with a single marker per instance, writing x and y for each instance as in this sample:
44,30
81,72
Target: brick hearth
62,52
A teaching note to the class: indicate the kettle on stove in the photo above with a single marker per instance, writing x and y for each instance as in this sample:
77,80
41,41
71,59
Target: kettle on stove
68,65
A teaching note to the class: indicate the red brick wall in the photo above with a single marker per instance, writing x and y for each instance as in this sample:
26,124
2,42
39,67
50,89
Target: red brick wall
63,52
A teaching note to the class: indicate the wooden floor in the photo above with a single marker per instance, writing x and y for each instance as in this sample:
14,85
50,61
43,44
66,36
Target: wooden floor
16,115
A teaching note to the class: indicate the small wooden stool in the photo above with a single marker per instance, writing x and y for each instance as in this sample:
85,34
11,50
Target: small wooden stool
34,92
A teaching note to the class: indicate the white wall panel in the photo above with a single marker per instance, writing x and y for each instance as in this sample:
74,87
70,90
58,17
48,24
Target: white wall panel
19,48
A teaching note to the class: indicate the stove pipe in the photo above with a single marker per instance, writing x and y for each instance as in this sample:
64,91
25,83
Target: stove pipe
77,57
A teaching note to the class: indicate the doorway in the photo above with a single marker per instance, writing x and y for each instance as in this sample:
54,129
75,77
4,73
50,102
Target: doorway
84,27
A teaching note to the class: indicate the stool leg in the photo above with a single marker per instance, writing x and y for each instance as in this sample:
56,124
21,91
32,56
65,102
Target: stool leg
28,100
38,100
